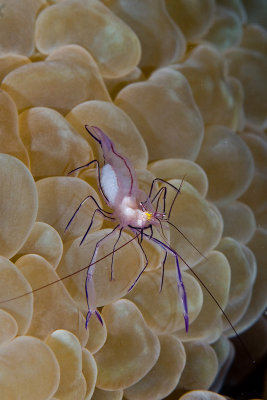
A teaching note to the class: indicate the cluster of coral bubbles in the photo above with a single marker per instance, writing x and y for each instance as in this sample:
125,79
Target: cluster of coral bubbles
180,88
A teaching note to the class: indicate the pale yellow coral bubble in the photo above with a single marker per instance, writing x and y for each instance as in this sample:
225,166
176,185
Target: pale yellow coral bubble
235,6
258,299
205,71
14,284
172,125
128,262
17,23
10,141
162,379
243,274
131,349
201,366
9,62
255,196
29,370
201,395
225,352
155,254
68,352
116,124
116,84
222,347
44,241
114,46
53,145
194,18
67,77
8,327
215,273
18,204
240,269
59,197
178,168
226,29
160,47
163,311
53,307
145,179
228,162
239,221
97,334
89,369
100,394
254,38
199,221
253,77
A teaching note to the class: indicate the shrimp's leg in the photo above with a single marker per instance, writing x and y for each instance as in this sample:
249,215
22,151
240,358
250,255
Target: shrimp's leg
169,184
80,205
89,283
112,259
163,271
98,175
146,263
180,284
83,166
158,196
92,221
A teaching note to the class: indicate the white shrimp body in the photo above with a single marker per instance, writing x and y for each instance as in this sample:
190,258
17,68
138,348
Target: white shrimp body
132,209
130,215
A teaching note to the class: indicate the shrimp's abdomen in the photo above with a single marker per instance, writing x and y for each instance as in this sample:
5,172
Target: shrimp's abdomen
109,184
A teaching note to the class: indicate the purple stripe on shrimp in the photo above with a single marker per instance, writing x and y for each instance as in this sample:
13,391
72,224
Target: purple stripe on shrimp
180,283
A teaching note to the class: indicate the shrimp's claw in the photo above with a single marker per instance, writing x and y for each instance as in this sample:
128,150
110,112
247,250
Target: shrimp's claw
186,321
97,313
89,314
183,298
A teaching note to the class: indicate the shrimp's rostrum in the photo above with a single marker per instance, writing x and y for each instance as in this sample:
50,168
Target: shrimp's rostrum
132,210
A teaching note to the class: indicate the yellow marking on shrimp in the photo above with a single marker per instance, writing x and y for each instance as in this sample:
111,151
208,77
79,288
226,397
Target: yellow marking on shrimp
149,215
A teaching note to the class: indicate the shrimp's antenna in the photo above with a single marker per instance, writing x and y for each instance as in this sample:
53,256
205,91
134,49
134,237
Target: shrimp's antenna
87,127
69,275
186,238
175,197
220,307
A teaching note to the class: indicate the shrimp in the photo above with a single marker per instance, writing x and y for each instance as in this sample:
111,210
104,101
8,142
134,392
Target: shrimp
132,210
136,212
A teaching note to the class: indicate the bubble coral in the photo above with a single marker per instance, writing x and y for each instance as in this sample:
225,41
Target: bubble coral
180,88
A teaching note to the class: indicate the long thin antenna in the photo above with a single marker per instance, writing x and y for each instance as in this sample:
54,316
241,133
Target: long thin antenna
186,238
220,307
69,275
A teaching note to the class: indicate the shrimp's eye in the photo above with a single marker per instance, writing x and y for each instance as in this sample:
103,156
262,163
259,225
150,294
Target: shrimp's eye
149,215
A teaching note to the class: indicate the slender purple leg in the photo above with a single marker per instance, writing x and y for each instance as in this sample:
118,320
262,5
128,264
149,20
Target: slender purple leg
81,204
92,221
146,263
172,186
89,283
158,197
112,258
163,271
180,284
98,174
